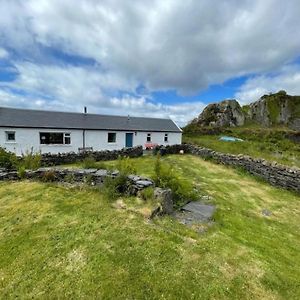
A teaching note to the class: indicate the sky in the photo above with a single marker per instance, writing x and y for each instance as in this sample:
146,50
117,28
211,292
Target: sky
150,58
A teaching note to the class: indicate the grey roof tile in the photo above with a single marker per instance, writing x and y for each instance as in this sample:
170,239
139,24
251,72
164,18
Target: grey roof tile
12,117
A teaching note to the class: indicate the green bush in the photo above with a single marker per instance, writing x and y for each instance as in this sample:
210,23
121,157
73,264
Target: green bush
125,166
21,172
147,194
8,160
114,186
31,160
89,163
166,177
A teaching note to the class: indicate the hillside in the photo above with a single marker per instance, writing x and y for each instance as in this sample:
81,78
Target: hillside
279,109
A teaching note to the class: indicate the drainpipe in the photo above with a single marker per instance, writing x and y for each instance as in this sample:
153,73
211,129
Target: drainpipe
83,133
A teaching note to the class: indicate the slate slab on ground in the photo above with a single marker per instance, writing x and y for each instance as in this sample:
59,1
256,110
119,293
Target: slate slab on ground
195,212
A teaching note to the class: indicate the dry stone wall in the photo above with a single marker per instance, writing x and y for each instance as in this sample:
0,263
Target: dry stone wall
276,174
49,159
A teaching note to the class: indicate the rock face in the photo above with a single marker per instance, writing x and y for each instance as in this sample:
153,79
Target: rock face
276,109
269,110
223,114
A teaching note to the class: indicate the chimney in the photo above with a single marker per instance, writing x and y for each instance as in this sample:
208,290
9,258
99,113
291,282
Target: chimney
128,118
85,110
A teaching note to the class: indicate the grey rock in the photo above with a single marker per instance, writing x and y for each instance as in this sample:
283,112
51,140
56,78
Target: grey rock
101,172
200,210
144,183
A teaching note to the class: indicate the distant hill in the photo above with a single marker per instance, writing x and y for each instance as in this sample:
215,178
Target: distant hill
270,110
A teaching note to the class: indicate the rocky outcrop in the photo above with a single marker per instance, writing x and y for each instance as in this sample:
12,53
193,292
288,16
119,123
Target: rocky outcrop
269,110
227,113
276,109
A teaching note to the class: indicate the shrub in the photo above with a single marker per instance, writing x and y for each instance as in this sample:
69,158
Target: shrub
124,166
166,177
21,172
49,176
89,163
147,194
114,186
8,160
31,160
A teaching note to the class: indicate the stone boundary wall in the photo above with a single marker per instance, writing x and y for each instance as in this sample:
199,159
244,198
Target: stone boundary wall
274,173
96,177
49,159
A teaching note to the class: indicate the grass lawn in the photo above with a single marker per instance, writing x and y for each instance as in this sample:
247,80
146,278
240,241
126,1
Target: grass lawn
58,242
277,148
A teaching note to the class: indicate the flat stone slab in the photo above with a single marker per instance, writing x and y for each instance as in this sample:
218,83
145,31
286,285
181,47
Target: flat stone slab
195,213
206,211
101,172
144,183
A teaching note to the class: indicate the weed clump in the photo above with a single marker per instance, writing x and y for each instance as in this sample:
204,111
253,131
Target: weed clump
147,194
31,160
89,163
48,176
166,177
8,160
115,186
125,166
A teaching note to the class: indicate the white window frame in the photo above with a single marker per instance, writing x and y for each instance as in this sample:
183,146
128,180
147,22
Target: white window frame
150,138
65,135
166,138
115,141
6,136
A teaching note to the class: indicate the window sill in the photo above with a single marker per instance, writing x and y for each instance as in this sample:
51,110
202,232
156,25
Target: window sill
10,142
55,145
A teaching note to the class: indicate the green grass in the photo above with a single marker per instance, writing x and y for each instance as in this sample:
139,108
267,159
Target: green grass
257,143
59,242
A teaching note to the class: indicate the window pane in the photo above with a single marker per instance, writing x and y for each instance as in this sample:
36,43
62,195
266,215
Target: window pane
111,137
10,136
51,138
149,137
56,138
67,140
166,137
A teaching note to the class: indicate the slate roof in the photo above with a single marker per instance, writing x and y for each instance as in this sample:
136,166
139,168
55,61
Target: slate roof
24,118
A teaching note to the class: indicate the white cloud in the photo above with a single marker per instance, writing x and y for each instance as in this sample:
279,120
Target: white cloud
3,53
71,88
164,44
287,79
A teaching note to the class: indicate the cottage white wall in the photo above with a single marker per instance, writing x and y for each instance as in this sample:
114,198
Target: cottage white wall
27,139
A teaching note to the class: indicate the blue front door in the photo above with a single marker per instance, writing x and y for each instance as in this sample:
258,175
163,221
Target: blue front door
129,140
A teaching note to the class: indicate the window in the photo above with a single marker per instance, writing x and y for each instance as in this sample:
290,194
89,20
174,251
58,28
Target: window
10,136
149,137
111,137
55,138
166,138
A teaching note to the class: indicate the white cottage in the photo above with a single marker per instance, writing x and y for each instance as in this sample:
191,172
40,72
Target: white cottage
23,130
